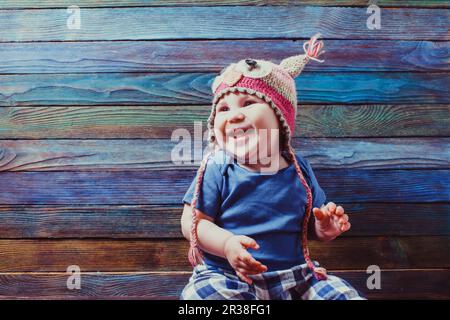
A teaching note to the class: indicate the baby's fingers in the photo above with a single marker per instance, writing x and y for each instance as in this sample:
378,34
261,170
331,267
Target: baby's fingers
251,265
248,242
255,266
346,226
243,277
250,261
344,219
331,206
339,211
318,214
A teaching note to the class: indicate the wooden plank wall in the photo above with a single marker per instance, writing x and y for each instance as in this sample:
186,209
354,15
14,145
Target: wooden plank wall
86,118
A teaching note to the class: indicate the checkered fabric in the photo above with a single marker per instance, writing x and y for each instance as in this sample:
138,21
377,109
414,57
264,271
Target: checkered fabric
297,283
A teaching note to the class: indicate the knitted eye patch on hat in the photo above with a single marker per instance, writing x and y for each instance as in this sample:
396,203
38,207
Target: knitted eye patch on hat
274,84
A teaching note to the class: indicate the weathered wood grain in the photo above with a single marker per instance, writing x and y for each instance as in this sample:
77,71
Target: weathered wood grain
140,154
221,22
113,206
169,186
10,4
91,122
171,255
195,88
212,56
403,284
396,284
153,221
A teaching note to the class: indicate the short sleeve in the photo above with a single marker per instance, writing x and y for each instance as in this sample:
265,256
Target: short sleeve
209,199
319,196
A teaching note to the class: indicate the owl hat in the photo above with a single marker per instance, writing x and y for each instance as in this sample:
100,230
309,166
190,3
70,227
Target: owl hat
274,84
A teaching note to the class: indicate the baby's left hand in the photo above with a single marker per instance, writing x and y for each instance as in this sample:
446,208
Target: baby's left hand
330,221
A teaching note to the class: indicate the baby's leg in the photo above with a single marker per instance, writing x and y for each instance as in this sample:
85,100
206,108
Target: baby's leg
208,283
334,288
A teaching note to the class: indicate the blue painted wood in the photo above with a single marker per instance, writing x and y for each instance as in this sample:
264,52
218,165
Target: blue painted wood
156,122
212,56
163,221
169,186
15,4
192,88
390,191
150,154
222,22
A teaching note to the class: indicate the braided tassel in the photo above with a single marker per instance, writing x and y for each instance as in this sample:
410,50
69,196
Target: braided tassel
195,255
319,273
313,48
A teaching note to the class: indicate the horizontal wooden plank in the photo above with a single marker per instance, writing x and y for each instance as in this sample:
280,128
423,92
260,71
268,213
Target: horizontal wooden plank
119,155
91,221
221,22
171,255
401,219
152,221
14,4
402,284
169,186
395,284
194,88
124,122
212,56
373,121
129,285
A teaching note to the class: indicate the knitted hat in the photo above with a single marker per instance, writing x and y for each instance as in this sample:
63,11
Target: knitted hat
274,84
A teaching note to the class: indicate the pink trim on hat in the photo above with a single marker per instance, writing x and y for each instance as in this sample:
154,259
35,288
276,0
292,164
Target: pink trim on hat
285,106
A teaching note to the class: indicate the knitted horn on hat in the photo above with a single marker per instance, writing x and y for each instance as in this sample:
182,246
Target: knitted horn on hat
275,84
313,49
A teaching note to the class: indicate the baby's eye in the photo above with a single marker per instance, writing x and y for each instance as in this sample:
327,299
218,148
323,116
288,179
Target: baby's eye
249,102
223,108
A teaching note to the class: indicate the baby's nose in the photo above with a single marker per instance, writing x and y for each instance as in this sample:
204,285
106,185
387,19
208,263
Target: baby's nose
236,117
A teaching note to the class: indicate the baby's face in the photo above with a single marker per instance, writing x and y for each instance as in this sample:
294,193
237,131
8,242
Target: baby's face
246,126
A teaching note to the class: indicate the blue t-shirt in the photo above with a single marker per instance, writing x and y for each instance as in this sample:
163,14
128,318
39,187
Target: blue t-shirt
268,208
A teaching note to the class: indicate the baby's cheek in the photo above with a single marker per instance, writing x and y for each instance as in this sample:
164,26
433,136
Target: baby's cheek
266,129
264,118
219,131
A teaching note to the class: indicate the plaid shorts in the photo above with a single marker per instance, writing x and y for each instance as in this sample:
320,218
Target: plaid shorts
298,283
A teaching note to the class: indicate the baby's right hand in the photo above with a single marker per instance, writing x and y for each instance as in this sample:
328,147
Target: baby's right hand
240,259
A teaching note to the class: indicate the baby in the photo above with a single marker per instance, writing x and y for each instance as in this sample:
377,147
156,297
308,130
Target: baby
247,212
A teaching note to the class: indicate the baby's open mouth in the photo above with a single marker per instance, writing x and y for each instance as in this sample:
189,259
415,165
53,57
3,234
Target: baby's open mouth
239,131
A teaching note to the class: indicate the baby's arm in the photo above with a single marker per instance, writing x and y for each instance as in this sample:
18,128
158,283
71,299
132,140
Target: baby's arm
211,237
223,243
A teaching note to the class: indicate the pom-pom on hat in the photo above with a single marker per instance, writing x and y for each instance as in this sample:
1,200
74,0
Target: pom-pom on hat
274,84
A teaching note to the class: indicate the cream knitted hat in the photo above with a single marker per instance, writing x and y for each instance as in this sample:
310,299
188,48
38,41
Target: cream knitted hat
271,82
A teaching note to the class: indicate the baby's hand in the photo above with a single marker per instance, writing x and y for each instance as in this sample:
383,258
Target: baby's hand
330,221
240,259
